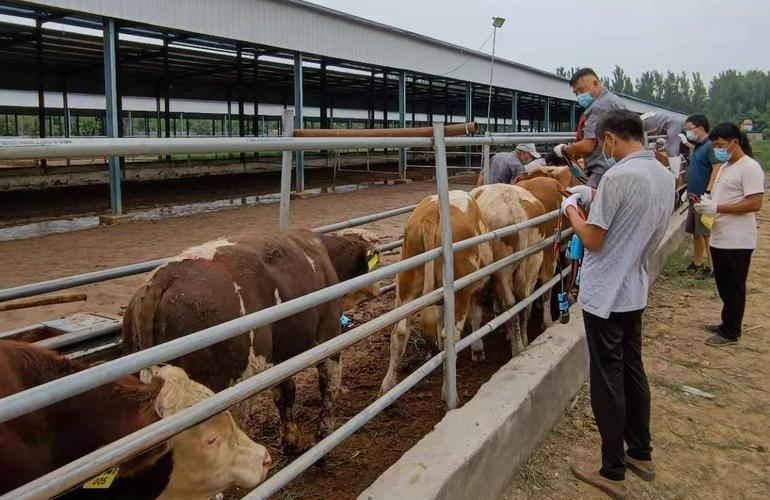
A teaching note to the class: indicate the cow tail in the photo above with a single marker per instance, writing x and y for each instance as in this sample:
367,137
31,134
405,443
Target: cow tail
140,318
429,276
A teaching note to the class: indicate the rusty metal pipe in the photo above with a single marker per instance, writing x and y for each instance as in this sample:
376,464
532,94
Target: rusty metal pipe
449,131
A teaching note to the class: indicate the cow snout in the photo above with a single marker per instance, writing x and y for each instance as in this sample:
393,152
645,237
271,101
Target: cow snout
254,463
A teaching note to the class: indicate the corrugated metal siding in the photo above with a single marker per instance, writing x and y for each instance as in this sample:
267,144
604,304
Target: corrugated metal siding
292,25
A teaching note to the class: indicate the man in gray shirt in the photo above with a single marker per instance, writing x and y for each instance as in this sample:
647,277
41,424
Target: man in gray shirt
672,127
504,167
597,101
628,217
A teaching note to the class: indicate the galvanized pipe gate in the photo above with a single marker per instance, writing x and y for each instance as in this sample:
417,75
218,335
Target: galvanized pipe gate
83,469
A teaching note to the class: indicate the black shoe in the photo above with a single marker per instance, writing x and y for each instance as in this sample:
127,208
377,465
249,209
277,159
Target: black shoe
713,329
720,341
704,273
691,269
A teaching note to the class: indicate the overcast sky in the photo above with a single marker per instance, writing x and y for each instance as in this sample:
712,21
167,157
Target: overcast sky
691,35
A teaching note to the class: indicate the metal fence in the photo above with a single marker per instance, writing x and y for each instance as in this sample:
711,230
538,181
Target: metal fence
86,467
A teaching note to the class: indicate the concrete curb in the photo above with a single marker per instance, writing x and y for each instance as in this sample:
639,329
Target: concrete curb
475,450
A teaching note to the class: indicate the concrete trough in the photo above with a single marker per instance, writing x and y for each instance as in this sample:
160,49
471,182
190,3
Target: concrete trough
475,451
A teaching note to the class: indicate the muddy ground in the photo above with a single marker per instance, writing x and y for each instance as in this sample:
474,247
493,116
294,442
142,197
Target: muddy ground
358,461
703,448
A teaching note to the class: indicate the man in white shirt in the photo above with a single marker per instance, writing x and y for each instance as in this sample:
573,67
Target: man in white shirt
735,197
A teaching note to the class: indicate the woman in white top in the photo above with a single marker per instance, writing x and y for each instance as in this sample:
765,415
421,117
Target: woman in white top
737,193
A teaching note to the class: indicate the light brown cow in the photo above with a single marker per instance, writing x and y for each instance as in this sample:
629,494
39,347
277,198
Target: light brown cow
232,277
196,464
503,205
423,233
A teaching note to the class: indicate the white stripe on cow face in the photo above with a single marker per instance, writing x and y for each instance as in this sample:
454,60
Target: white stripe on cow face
240,298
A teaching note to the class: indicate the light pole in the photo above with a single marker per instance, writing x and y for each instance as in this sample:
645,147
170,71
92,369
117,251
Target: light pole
497,22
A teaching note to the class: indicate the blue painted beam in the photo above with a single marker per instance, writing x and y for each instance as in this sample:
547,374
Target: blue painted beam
299,103
111,122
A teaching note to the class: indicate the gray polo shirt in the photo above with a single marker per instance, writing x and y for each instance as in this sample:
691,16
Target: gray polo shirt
670,126
595,164
504,167
634,202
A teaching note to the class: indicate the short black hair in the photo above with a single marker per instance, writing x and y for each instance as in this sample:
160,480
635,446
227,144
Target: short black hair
580,74
729,131
699,121
623,123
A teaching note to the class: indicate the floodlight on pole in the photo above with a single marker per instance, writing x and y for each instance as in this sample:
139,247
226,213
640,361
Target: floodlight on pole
497,22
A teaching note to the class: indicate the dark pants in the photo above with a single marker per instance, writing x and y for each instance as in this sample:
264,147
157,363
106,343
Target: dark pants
620,394
731,268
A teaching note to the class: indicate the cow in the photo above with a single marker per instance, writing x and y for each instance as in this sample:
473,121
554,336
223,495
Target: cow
503,205
421,234
197,464
562,174
550,193
228,278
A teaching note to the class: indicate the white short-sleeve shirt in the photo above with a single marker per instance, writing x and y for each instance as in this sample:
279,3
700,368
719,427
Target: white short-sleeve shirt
734,182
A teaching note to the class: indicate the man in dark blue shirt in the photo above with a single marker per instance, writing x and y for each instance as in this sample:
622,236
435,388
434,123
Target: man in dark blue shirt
701,173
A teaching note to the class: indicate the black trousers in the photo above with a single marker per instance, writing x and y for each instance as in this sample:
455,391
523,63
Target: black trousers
620,394
731,268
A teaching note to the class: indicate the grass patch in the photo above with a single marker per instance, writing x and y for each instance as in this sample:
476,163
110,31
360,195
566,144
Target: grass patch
762,153
677,262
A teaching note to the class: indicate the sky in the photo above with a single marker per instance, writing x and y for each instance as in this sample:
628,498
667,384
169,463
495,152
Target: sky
707,36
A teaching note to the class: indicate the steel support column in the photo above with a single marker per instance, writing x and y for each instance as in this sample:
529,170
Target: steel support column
572,118
166,95
515,112
324,99
40,86
111,106
241,117
468,118
402,121
66,108
299,122
255,125
547,115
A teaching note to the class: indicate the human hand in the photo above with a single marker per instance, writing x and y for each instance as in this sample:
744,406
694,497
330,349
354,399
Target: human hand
586,194
683,138
706,207
559,150
572,201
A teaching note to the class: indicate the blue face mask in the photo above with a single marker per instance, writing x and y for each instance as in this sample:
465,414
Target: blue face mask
721,154
585,99
611,162
691,136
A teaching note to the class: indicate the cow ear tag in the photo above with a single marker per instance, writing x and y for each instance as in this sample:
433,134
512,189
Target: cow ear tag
372,260
102,481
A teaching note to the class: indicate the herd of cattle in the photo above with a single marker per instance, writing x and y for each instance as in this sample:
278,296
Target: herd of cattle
231,277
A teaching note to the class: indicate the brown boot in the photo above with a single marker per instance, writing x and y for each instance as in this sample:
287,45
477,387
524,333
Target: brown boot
645,469
590,475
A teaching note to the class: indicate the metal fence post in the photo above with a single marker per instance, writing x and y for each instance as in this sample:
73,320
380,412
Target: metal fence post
485,152
442,186
283,211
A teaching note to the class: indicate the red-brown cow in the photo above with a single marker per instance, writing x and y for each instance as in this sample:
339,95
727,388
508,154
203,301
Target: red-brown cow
196,464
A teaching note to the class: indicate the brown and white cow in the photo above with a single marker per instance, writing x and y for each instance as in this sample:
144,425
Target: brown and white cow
503,205
231,277
196,464
423,233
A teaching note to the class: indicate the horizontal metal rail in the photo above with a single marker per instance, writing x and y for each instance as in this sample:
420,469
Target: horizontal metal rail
306,460
119,451
360,221
79,336
29,149
53,285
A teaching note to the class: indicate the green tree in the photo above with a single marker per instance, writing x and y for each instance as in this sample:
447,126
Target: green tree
645,86
700,94
621,82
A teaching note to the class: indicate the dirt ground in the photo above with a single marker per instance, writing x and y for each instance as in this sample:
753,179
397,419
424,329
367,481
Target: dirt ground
359,460
703,448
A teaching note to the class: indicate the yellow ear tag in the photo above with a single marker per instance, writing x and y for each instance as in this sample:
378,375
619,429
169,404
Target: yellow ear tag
102,481
372,262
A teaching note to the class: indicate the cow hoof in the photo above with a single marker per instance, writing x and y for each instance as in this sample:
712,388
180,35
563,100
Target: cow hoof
478,357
